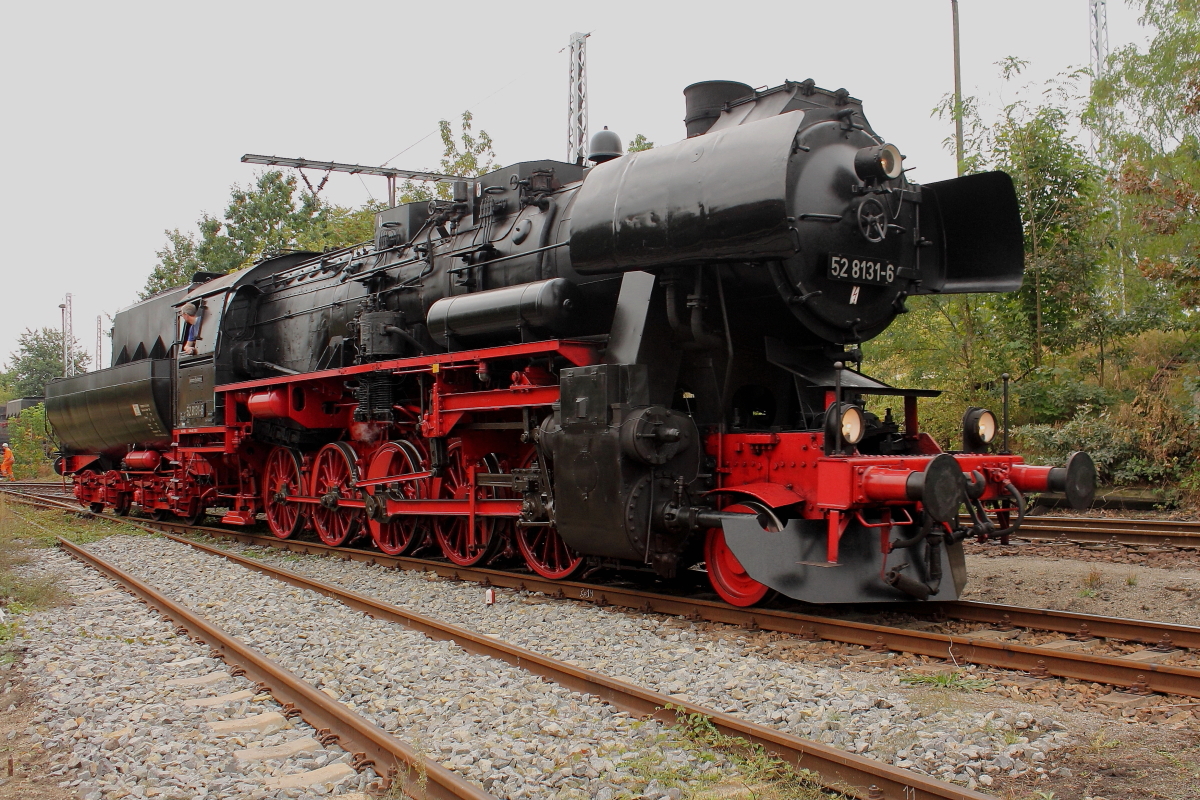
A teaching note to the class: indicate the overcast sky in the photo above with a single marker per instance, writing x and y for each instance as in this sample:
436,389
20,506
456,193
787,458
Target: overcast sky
123,119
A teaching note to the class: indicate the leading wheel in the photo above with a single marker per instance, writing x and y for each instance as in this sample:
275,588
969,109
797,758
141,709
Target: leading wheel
544,549
453,532
281,481
726,574
96,508
404,533
334,478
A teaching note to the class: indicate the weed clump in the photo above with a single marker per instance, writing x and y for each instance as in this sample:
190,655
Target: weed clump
1092,582
949,680
766,775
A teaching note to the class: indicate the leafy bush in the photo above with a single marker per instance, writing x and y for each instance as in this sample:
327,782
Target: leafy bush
1150,440
30,444
1109,446
1050,395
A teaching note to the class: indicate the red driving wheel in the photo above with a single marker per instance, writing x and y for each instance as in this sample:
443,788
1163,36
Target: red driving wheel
544,549
453,532
402,534
282,480
726,574
334,478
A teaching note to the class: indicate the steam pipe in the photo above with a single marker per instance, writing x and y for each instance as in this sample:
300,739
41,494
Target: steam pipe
696,301
672,309
728,342
406,336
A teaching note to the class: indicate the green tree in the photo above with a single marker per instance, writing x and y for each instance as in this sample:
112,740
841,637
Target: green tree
30,442
38,359
1058,186
177,262
475,157
1145,108
338,226
272,216
263,219
639,143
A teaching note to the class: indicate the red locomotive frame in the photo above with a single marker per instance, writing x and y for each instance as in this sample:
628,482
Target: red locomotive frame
377,483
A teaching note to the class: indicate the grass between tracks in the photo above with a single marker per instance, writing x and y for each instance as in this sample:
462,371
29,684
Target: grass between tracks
22,530
765,776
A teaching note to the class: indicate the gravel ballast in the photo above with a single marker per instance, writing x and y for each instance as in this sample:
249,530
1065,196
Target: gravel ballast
510,731
101,667
964,739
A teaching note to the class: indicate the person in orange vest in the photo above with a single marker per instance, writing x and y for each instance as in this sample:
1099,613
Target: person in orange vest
6,463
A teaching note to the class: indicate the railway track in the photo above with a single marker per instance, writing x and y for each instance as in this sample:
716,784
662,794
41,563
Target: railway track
1164,534
1081,656
399,762
840,771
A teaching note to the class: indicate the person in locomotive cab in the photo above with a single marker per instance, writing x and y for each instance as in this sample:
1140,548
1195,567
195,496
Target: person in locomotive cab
190,314
6,463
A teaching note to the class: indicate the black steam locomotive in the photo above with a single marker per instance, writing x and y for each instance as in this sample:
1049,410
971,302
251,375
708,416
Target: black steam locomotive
649,363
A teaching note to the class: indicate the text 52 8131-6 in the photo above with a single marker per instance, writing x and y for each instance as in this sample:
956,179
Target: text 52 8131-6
861,270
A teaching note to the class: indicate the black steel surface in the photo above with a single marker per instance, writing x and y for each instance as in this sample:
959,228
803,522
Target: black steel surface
110,409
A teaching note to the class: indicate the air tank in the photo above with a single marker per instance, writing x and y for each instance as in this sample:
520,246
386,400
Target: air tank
550,306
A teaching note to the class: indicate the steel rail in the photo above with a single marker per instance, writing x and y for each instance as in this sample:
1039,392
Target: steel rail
1100,530
1072,622
840,771
389,756
1163,678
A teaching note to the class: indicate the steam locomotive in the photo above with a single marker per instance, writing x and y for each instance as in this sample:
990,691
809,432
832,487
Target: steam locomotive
647,363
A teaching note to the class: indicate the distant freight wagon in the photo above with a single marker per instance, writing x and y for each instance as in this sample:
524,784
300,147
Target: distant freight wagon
14,408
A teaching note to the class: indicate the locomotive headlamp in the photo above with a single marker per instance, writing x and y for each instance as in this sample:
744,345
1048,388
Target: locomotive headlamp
850,418
979,428
879,162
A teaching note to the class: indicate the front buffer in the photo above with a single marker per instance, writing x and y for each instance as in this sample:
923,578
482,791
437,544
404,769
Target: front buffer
871,529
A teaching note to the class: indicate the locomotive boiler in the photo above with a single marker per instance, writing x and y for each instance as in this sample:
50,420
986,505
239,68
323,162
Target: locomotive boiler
648,363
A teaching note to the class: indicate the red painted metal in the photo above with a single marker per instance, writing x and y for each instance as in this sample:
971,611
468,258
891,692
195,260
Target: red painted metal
884,484
333,474
578,353
271,404
546,553
773,494
514,397
145,460
283,479
837,522
462,507
1030,479
726,574
483,424
402,534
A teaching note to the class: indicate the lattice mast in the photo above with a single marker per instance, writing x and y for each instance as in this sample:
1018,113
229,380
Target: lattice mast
958,120
68,337
1098,31
1098,24
98,363
577,110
